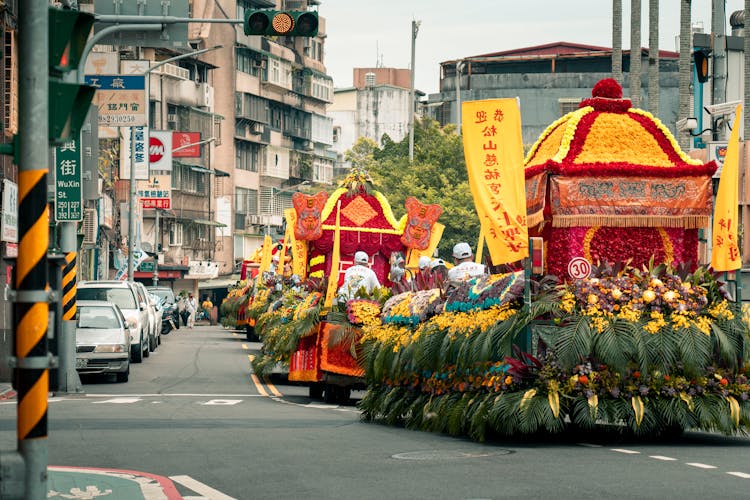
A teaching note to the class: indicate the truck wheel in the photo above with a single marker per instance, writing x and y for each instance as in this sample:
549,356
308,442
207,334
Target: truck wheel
316,391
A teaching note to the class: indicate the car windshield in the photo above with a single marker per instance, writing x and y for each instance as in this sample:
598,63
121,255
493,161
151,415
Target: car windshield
165,294
96,317
123,297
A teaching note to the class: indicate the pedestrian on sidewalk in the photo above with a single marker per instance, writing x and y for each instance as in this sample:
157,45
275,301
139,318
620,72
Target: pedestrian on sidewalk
192,308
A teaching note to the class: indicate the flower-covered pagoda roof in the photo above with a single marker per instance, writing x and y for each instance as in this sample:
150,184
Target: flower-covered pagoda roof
607,136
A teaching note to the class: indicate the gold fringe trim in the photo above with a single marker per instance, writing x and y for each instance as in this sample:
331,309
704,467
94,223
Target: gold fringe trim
682,221
535,218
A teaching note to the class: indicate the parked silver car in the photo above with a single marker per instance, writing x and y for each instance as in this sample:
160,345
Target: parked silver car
102,339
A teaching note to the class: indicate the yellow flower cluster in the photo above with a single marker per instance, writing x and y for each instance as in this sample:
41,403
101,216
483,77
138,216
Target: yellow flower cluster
570,132
629,314
398,336
467,323
368,313
568,302
720,310
656,323
664,130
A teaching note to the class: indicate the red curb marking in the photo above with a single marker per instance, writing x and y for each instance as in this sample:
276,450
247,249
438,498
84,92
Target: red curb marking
165,483
8,395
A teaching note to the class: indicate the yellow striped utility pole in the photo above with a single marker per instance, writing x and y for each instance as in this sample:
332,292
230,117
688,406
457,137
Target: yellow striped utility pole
69,287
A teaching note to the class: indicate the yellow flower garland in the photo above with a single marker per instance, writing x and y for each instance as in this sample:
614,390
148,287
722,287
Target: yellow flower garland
570,132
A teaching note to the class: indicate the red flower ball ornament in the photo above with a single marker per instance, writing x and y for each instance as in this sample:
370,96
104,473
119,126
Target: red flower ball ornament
607,96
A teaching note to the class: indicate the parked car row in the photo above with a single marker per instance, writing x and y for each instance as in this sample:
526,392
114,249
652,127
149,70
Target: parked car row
117,322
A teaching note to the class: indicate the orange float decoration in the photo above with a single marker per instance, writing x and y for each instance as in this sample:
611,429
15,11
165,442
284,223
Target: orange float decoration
609,183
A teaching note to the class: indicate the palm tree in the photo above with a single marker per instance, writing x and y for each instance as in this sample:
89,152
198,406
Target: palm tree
635,52
685,68
653,56
617,40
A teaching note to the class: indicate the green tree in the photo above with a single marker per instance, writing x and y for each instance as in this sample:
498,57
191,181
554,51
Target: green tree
437,175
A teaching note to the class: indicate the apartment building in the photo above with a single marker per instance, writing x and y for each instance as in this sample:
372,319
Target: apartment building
275,137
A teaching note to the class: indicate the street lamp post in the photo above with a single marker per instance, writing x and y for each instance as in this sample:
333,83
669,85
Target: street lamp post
131,205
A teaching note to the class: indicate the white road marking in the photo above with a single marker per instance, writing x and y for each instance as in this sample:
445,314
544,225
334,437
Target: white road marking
119,401
662,457
739,474
222,402
701,466
200,488
627,452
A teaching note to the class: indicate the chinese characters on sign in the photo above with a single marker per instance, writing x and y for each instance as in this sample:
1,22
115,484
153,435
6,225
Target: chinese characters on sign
68,197
156,193
494,158
136,154
121,99
10,212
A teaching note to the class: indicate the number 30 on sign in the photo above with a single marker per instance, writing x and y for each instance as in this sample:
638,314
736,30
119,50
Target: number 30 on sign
579,268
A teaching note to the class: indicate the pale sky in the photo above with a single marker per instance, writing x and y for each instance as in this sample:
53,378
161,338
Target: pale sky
363,33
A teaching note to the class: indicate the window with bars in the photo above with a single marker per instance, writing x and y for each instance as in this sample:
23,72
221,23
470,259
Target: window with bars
175,234
568,105
248,155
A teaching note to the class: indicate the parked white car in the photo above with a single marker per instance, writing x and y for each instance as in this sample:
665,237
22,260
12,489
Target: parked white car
154,331
125,295
102,339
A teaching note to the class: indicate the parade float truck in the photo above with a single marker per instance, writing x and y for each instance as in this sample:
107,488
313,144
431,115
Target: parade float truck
299,317
623,326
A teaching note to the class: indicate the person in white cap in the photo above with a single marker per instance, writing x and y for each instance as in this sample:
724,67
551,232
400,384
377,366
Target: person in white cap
358,276
464,268
424,263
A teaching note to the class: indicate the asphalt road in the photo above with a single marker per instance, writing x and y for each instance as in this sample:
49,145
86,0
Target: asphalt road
193,413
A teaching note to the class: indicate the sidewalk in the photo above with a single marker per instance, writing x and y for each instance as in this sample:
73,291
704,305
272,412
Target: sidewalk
80,482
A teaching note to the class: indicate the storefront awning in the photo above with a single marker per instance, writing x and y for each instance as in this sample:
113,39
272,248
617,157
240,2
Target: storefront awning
223,282
220,173
207,222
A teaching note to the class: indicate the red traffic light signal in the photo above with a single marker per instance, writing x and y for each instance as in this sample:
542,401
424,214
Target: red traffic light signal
281,23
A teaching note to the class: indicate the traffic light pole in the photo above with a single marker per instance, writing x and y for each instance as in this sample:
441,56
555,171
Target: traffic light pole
31,311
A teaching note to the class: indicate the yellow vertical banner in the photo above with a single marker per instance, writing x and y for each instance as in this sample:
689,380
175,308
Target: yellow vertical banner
299,247
493,149
480,246
333,276
265,260
725,252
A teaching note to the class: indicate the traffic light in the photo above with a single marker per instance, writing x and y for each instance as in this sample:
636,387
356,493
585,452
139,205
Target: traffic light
69,101
281,23
700,58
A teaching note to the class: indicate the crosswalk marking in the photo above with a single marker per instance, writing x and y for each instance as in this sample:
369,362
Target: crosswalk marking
739,474
662,457
627,452
200,488
701,466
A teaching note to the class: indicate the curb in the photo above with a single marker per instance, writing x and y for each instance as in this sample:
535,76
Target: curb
7,392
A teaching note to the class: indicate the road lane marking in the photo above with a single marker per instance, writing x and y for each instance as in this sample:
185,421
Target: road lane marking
200,488
222,402
272,388
701,466
739,474
662,457
627,452
258,385
119,401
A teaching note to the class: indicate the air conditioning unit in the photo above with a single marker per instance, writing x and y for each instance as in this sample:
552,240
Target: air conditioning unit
90,226
172,118
205,95
253,220
256,128
259,63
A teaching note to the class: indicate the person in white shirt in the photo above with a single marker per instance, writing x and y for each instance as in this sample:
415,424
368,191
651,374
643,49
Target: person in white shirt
192,308
357,276
464,268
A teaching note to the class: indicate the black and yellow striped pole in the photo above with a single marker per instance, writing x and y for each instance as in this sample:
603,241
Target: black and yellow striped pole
31,310
69,287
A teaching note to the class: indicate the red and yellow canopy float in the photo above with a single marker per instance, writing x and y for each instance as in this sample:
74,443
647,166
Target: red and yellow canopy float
608,182
366,223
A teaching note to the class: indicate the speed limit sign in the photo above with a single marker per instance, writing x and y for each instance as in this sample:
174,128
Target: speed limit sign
579,268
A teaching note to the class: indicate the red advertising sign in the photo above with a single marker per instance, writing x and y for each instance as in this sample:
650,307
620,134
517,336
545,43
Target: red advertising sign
182,139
